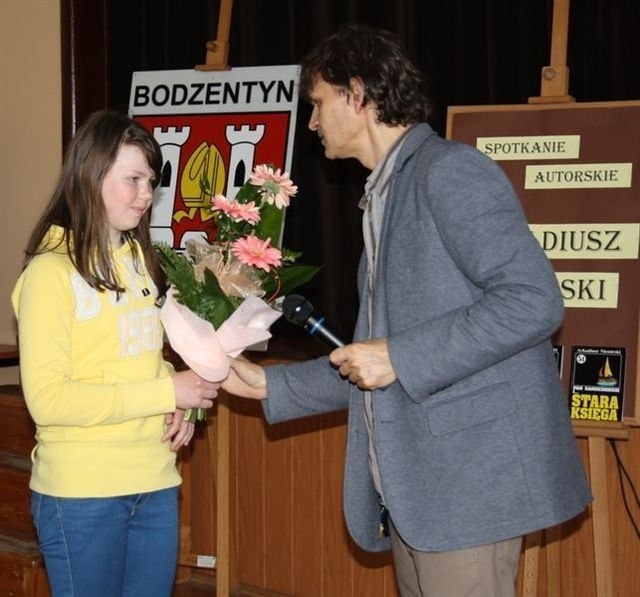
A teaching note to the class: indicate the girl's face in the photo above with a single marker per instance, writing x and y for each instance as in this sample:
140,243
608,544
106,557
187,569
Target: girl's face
127,191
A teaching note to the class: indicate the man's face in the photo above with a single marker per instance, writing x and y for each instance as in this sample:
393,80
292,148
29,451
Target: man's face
335,119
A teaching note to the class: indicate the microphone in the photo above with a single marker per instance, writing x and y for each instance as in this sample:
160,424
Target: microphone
299,310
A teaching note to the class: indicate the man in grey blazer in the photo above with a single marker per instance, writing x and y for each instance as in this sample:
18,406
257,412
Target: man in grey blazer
459,438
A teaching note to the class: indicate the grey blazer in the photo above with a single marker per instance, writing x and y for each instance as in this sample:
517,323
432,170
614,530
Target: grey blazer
473,439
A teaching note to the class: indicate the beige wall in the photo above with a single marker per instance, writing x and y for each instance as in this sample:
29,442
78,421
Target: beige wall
30,135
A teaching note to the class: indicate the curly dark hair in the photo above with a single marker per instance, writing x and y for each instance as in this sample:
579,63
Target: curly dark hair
391,81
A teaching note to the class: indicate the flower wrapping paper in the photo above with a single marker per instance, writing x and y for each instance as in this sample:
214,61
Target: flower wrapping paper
208,351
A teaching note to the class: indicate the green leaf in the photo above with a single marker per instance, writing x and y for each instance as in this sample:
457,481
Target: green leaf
207,300
248,192
218,305
270,224
290,278
179,271
289,256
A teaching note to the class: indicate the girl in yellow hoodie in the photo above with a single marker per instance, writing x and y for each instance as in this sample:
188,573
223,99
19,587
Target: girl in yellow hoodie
108,409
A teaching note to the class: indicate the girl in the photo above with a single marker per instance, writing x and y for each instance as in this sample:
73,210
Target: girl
107,408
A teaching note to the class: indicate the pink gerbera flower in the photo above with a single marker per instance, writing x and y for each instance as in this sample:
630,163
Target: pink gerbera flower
276,187
256,252
238,212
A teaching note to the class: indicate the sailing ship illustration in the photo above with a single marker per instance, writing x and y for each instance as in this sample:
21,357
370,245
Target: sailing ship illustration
605,375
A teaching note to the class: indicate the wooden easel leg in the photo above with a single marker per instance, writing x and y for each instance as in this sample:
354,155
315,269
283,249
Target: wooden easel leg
218,49
226,581
530,571
185,518
600,516
530,567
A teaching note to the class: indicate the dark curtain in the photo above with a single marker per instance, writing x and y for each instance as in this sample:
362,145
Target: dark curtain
473,52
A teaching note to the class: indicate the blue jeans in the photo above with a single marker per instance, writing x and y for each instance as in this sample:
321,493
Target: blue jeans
109,547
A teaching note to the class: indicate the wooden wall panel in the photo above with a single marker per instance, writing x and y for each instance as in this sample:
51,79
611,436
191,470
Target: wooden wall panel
307,506
278,508
338,564
626,543
576,558
250,503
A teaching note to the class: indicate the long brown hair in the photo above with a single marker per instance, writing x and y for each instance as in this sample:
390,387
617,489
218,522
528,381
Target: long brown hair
78,208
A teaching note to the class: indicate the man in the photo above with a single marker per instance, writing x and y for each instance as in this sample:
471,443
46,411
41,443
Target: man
459,439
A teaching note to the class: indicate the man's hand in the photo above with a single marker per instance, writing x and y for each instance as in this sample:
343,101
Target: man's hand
246,379
366,364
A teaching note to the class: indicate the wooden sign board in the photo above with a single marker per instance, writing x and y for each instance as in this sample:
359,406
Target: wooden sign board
574,167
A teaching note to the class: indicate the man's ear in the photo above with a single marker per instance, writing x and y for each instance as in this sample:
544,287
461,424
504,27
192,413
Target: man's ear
357,91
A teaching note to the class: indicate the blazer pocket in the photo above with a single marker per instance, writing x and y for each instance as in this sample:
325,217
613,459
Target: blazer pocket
470,410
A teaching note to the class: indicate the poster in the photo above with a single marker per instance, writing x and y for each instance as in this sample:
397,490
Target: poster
597,383
213,128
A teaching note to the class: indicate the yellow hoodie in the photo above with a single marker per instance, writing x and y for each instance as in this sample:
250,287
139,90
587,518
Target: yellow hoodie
94,379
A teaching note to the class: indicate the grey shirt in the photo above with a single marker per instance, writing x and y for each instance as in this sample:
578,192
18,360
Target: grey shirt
373,202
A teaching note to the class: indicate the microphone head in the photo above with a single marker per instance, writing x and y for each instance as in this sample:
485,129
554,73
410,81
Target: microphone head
296,309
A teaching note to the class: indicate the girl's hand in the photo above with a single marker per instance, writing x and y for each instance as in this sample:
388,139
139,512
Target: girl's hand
191,391
179,431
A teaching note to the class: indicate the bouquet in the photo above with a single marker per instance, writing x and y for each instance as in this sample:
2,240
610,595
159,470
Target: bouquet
222,293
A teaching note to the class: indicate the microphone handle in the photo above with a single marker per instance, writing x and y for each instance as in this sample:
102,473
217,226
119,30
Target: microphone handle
316,326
